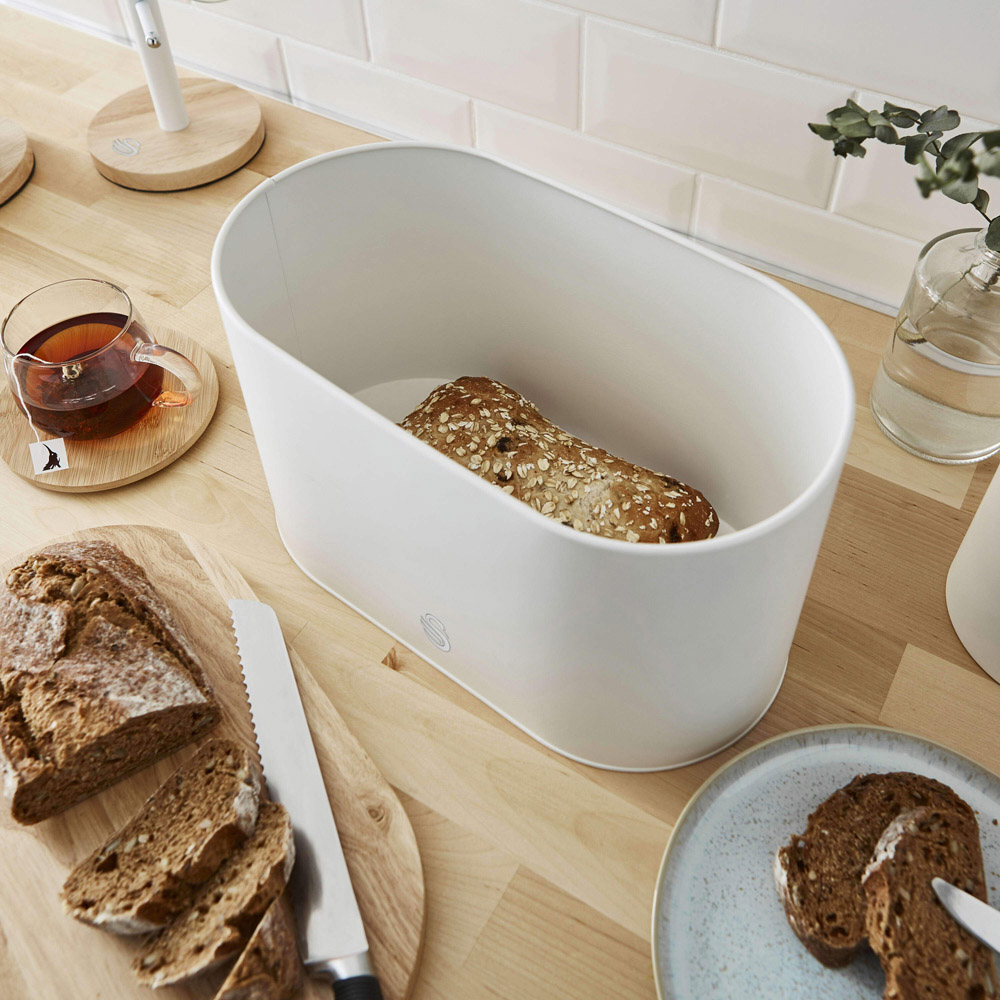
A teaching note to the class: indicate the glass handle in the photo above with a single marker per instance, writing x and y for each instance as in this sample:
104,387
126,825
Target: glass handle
175,363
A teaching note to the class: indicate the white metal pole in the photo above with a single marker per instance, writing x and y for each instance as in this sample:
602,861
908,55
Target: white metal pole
146,27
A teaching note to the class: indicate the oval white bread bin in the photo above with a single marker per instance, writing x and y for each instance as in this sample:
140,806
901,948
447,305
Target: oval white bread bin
353,283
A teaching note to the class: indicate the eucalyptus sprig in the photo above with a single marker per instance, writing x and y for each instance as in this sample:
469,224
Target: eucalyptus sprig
952,167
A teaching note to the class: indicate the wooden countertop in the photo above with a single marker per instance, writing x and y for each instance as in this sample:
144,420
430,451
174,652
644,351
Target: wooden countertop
539,872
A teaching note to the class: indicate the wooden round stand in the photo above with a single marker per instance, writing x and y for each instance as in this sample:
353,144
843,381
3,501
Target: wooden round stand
130,148
162,436
16,159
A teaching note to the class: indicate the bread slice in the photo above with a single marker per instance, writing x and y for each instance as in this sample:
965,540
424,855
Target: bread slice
147,872
96,678
818,873
225,910
923,951
501,437
269,967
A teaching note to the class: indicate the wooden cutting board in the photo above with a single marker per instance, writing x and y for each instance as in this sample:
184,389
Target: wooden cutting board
44,953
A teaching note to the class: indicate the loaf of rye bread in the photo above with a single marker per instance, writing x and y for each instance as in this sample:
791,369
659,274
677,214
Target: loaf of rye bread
224,911
96,678
497,434
818,873
269,968
147,872
923,951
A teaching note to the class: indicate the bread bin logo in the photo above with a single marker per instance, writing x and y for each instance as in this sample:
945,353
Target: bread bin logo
435,631
126,147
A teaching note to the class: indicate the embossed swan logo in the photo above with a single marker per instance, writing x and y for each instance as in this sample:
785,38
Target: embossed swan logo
435,631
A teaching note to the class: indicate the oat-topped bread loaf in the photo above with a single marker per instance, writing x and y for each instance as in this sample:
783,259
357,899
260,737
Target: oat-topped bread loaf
818,873
923,951
96,678
499,435
269,967
148,871
225,911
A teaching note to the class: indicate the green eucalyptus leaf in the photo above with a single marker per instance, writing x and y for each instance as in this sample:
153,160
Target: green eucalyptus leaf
926,178
991,139
988,162
854,106
857,130
824,131
958,143
993,235
842,118
941,118
963,190
876,118
848,147
982,201
894,109
914,146
886,133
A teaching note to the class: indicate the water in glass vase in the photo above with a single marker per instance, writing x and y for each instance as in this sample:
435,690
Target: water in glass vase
937,393
937,390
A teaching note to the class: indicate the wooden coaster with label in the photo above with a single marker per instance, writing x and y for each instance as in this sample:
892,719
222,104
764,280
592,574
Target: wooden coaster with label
160,437
16,159
129,147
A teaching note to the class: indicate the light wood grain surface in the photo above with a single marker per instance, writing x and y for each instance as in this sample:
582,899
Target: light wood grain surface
226,129
160,438
16,158
539,872
56,955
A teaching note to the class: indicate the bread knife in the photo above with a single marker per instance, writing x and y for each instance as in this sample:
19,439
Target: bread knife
332,936
977,917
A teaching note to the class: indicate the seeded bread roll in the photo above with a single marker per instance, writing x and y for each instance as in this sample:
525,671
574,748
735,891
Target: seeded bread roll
496,433
96,678
269,967
225,911
923,951
818,873
147,872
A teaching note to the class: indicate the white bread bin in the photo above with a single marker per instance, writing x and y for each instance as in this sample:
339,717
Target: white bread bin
353,283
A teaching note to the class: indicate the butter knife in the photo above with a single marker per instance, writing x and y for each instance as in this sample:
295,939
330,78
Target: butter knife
333,942
977,917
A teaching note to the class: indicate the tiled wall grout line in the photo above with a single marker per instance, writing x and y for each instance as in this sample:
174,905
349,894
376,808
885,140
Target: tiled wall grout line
717,24
661,111
366,25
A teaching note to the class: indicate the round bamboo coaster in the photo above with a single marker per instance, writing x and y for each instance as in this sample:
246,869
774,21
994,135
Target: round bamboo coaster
16,158
162,436
130,148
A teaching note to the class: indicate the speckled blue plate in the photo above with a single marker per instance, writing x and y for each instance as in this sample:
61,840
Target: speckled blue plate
719,929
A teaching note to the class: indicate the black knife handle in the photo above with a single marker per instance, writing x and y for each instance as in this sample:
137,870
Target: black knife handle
357,988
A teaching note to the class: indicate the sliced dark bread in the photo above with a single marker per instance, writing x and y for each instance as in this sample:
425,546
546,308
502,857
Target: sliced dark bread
269,967
818,873
147,872
225,910
96,678
923,951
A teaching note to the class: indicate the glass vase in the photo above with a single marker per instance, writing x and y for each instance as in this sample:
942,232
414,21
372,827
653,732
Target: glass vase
937,390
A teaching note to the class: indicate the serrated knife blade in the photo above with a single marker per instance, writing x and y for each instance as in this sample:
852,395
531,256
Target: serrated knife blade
977,917
332,936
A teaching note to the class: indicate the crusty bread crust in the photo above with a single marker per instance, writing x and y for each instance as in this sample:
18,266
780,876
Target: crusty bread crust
146,873
269,968
96,678
818,873
923,951
496,433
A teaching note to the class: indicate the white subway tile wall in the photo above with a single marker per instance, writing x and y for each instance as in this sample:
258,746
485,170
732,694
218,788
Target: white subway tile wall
690,113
